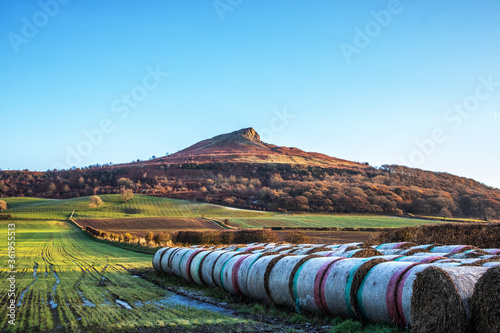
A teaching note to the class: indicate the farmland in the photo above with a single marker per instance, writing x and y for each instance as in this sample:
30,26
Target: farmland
142,206
66,281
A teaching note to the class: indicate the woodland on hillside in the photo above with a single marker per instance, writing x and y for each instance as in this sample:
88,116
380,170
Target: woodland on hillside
393,190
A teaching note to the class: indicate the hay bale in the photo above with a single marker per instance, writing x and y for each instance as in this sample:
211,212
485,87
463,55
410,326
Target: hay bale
307,284
391,257
339,252
425,246
404,252
229,274
242,277
258,274
341,283
476,253
185,264
328,253
195,266
207,267
491,264
434,299
165,263
493,251
361,253
485,303
219,265
452,249
423,259
394,246
157,258
334,246
377,294
176,259
279,279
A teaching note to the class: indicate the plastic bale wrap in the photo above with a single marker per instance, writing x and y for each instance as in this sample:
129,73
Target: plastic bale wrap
242,277
377,294
452,249
341,283
166,260
157,259
280,277
207,267
185,264
219,265
428,247
229,274
343,249
394,246
424,259
468,254
195,266
491,264
404,252
311,250
392,257
366,252
434,299
485,303
493,251
176,260
258,274
307,283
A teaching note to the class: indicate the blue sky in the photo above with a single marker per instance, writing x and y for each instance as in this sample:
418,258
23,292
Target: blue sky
387,82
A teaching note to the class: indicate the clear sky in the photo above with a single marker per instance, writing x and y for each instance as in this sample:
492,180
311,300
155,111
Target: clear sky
386,82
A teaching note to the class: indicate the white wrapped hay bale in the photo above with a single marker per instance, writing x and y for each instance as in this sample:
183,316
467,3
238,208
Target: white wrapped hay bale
341,283
376,296
157,258
176,259
452,249
366,252
258,274
394,246
166,260
185,264
280,279
195,266
219,265
207,267
307,284
229,274
423,259
245,266
493,251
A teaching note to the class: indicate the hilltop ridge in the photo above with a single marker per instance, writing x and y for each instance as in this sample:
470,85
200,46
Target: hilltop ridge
245,146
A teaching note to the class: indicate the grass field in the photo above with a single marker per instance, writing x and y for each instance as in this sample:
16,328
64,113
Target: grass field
319,221
115,207
67,282
142,206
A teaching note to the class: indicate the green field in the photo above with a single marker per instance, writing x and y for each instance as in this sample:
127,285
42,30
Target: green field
115,207
321,221
142,206
67,282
